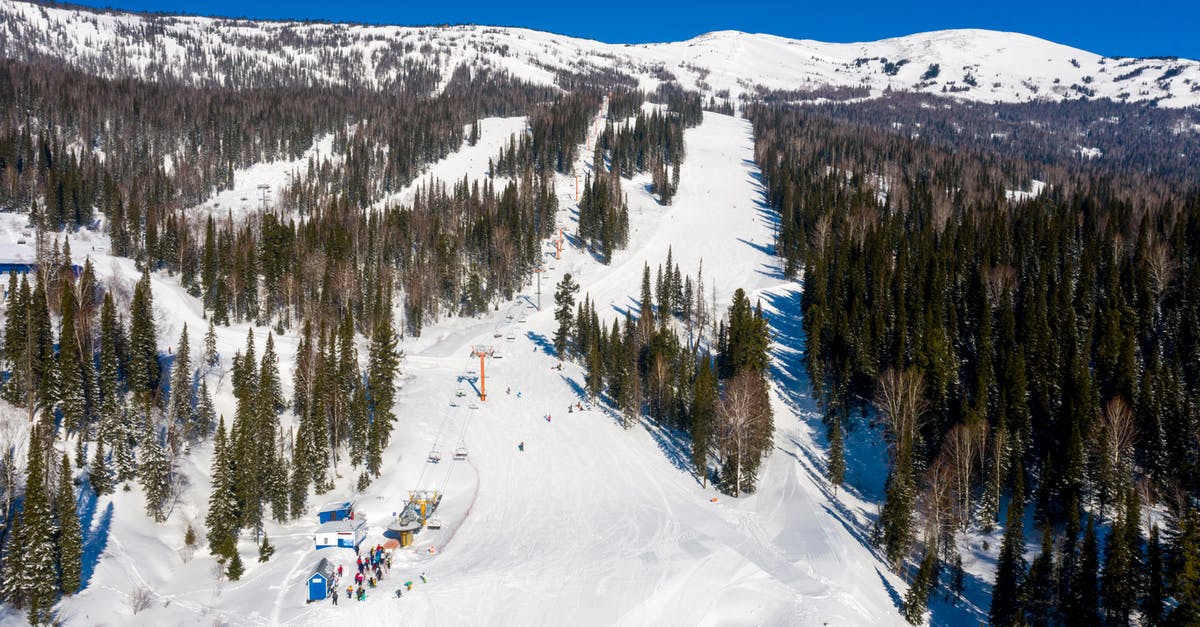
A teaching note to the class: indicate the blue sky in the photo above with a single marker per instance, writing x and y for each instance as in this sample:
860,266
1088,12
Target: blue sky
1157,28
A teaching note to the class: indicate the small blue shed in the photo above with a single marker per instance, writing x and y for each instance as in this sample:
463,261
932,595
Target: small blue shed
320,582
338,510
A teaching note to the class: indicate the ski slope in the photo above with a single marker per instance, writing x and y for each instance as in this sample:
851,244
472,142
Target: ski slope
592,524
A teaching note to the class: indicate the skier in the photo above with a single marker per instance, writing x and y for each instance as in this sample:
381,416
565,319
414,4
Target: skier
518,393
424,579
570,409
335,596
521,446
408,586
508,390
339,570
399,593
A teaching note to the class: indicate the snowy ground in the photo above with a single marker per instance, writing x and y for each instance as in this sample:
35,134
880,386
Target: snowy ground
591,524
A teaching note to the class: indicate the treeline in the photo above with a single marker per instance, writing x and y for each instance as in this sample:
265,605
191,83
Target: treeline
1045,351
642,366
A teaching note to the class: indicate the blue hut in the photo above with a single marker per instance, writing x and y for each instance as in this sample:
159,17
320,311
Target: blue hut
347,534
320,582
338,510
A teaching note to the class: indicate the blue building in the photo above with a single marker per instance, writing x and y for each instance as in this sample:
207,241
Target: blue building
338,510
320,582
346,533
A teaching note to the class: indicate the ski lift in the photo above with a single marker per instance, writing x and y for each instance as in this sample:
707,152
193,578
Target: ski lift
460,454
521,320
460,393
497,333
454,402
497,355
508,315
435,456
433,523
473,405
510,337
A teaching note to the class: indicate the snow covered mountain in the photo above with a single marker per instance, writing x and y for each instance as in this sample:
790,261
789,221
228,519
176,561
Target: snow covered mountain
977,65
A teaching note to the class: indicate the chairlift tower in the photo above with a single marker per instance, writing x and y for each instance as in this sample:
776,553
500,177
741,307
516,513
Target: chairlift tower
482,352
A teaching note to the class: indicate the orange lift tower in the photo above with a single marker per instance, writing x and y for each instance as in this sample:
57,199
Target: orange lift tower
482,352
558,244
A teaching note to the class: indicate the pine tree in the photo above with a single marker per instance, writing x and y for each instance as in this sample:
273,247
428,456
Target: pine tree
206,415
1082,606
143,355
109,375
70,533
1154,601
382,369
704,413
836,471
14,584
1185,582
564,298
154,473
180,414
265,549
41,581
916,600
1038,596
1122,567
221,522
1010,568
211,356
99,474
70,379
235,569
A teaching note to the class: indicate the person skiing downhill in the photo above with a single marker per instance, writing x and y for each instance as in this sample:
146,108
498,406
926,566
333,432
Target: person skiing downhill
521,446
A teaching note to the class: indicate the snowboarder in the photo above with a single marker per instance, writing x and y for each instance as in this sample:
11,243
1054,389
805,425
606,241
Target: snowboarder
518,393
508,390
399,593
570,409
521,446
424,579
408,586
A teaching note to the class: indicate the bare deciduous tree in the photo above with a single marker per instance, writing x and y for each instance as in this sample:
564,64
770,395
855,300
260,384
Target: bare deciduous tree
900,399
743,419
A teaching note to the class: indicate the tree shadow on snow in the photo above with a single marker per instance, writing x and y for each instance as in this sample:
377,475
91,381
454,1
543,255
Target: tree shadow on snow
95,536
674,444
541,341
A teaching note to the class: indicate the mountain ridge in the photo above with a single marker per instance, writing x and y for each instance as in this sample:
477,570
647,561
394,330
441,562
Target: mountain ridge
967,64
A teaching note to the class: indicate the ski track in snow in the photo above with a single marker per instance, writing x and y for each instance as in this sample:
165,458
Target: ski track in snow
592,524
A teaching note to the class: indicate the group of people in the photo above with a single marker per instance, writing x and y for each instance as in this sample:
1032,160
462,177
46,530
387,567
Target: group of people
371,570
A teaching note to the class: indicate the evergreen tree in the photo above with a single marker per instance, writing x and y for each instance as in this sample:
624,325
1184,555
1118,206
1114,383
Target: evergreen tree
71,377
109,375
154,473
382,369
180,414
704,413
1010,568
1083,604
70,533
265,549
1185,582
564,298
1154,601
235,570
206,415
221,521
1038,596
99,474
40,583
916,600
1122,567
143,355
836,471
211,357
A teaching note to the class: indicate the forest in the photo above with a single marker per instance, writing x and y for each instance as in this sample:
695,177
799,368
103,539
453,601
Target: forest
1018,354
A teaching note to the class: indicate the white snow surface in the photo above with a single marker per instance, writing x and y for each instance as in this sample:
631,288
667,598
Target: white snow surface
1003,66
592,524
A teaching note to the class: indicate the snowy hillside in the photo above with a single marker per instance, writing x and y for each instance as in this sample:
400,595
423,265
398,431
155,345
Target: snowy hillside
975,65
590,524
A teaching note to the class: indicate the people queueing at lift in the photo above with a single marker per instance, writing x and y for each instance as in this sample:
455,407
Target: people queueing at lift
371,570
